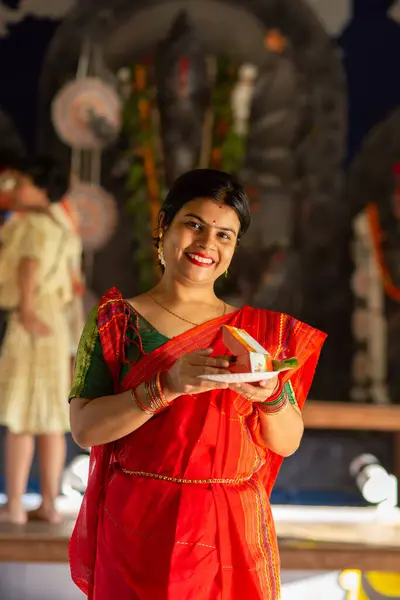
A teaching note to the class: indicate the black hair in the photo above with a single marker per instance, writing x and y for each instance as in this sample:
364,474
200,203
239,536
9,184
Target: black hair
206,183
9,159
47,175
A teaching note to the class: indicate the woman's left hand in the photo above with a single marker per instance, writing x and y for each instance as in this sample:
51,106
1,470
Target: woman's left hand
256,392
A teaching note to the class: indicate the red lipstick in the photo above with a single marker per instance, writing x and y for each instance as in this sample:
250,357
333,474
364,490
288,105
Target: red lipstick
199,259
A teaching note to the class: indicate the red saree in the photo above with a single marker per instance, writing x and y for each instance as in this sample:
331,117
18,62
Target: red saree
179,509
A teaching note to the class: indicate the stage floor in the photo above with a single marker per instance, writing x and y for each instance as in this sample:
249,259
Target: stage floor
310,538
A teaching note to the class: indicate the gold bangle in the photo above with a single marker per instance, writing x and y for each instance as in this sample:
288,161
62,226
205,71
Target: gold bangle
139,404
155,394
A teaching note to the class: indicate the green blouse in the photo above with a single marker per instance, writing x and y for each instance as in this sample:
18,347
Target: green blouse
92,377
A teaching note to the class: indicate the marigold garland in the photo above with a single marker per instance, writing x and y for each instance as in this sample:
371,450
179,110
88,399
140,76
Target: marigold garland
145,173
391,289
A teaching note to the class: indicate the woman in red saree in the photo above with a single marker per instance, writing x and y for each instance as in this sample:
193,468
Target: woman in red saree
177,503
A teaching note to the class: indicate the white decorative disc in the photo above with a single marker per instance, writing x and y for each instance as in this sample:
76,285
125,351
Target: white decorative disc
97,214
74,107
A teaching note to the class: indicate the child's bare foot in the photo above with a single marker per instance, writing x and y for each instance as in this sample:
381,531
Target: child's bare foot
16,515
47,514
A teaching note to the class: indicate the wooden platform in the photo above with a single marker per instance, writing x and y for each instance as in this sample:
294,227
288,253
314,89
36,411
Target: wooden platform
325,556
320,545
353,416
305,546
35,542
356,417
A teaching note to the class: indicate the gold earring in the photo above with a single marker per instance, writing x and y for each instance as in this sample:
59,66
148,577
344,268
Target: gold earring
226,273
160,250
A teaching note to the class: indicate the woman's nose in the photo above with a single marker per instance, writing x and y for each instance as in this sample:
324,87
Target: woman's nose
206,239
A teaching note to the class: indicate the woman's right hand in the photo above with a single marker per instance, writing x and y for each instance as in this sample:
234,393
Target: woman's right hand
182,378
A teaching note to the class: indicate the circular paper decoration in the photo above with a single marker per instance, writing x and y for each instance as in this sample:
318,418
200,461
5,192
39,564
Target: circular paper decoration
86,113
97,214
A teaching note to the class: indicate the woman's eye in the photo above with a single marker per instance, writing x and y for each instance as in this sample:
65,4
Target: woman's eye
193,225
224,235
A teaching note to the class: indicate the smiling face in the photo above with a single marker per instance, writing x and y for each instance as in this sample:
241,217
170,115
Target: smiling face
199,243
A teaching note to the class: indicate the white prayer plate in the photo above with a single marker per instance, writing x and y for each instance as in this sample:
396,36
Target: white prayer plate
240,377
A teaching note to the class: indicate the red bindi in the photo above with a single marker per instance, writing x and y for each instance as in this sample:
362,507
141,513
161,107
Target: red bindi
214,222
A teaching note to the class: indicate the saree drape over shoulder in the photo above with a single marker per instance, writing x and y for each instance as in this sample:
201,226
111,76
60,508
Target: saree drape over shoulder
179,509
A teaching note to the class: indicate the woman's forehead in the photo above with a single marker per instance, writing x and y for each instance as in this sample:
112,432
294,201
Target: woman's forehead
210,210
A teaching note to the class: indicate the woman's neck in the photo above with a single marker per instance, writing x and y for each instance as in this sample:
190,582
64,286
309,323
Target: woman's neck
174,292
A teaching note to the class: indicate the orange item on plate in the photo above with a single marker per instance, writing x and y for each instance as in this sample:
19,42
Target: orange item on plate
251,357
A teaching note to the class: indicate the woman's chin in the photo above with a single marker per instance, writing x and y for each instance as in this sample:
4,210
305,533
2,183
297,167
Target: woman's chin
199,275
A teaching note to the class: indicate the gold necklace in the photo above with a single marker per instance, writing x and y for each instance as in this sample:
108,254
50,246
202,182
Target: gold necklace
177,316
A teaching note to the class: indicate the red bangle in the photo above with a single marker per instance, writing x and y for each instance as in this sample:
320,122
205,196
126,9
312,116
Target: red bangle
277,392
156,400
276,403
139,404
155,394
